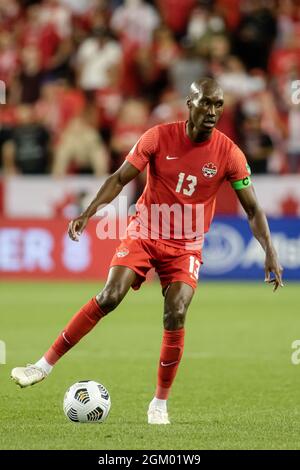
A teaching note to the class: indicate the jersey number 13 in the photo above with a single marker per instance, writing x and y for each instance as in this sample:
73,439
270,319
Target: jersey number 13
191,185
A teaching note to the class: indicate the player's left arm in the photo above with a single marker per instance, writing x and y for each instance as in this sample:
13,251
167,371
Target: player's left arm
260,229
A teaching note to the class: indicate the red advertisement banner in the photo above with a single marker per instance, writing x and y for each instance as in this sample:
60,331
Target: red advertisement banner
41,249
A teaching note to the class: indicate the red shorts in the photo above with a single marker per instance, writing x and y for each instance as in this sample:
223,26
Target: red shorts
171,264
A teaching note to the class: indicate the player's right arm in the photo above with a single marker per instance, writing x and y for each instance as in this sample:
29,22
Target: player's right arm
135,162
112,186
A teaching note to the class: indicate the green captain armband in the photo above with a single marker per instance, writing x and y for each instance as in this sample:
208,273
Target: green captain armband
242,184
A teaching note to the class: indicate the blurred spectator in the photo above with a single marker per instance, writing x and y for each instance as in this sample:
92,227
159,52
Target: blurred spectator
79,7
108,101
44,36
204,21
227,122
53,12
155,62
97,59
230,11
8,57
293,141
27,85
80,148
219,47
130,125
185,68
9,13
256,144
175,14
58,104
255,34
171,108
135,21
134,35
288,17
4,137
26,151
236,80
165,49
48,108
286,59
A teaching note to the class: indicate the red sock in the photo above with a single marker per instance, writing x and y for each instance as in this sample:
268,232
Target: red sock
82,322
170,355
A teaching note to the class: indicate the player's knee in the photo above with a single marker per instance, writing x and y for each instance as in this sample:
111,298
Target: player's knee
174,315
174,320
109,298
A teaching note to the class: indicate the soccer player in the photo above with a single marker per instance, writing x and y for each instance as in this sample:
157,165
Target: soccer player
187,162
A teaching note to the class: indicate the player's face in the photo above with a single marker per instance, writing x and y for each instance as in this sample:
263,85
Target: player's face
206,107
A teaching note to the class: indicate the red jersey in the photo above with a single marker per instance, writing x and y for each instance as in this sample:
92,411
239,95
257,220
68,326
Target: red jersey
183,175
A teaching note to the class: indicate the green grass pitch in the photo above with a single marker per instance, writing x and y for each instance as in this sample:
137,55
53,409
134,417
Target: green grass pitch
236,387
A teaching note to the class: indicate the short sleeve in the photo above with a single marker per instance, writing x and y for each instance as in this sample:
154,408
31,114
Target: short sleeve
145,147
237,167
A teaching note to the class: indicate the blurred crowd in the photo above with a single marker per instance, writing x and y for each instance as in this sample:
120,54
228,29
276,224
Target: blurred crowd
85,78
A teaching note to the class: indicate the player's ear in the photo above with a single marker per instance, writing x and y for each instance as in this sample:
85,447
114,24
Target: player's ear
188,102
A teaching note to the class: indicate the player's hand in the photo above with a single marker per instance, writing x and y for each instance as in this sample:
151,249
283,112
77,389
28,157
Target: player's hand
76,227
272,265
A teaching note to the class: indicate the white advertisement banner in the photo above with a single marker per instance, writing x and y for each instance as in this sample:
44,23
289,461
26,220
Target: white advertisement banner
44,197
278,195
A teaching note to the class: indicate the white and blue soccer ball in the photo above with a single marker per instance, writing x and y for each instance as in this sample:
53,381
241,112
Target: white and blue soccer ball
87,402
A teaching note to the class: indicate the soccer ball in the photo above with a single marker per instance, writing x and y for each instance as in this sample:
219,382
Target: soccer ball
87,402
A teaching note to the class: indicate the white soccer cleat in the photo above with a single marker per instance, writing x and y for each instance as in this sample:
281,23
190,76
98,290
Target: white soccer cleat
29,375
157,416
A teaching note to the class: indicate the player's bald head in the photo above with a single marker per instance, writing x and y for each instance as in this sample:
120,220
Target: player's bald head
205,86
205,103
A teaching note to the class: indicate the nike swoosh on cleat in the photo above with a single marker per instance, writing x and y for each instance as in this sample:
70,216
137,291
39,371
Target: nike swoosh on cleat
171,158
166,364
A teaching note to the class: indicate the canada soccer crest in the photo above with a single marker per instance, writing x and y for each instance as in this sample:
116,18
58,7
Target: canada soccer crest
123,252
209,170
